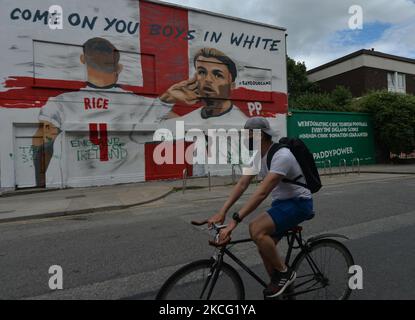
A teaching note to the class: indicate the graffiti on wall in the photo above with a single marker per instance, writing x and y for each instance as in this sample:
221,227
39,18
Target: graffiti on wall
144,67
87,150
28,154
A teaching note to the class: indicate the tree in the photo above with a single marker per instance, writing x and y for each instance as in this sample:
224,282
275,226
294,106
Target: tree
304,94
298,83
394,120
313,101
338,100
342,97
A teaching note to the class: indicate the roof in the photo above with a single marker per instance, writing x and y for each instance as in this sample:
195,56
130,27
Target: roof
216,14
358,53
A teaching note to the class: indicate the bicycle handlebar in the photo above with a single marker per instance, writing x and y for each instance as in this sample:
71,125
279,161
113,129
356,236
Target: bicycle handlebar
214,226
199,223
217,228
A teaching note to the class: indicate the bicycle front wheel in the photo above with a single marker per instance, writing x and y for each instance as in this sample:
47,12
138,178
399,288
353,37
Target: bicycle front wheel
323,271
201,280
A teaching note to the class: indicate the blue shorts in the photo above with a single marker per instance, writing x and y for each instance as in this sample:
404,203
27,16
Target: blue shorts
289,213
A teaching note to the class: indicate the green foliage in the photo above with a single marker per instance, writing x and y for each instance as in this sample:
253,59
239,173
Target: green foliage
342,97
394,119
297,80
338,100
313,101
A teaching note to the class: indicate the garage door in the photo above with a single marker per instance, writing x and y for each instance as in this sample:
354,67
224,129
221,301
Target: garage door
25,158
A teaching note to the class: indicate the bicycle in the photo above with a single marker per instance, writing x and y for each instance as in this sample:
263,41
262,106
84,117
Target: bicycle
214,279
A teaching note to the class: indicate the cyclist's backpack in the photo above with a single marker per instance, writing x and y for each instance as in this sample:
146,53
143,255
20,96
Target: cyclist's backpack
304,158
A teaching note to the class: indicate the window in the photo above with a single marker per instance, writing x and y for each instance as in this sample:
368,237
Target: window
401,83
391,82
396,82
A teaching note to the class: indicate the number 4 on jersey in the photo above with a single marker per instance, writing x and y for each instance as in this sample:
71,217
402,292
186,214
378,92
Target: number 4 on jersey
98,136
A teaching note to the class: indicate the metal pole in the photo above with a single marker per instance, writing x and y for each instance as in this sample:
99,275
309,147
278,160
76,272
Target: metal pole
233,174
357,160
209,181
329,166
184,180
345,166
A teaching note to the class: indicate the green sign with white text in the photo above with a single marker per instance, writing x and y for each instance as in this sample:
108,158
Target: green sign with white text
334,136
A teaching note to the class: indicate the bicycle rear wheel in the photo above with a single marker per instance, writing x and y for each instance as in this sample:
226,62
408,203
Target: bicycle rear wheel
193,282
323,272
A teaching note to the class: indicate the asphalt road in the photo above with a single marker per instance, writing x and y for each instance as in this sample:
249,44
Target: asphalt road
128,254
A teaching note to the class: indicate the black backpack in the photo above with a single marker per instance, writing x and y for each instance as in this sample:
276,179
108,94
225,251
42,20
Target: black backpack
305,160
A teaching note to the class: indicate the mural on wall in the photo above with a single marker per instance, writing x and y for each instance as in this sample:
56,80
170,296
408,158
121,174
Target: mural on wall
212,86
209,92
100,103
99,87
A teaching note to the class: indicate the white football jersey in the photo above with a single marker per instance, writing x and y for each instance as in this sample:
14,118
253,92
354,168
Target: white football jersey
234,118
116,107
122,111
195,119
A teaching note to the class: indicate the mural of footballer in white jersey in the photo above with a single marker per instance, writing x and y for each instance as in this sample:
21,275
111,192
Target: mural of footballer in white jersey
212,85
101,101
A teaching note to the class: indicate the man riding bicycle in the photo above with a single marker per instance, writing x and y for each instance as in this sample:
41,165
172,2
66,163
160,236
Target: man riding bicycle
291,205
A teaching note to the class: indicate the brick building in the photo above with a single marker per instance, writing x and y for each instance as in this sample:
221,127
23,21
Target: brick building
366,70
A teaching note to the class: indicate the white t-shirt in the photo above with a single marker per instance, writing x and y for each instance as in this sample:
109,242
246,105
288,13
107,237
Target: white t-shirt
285,164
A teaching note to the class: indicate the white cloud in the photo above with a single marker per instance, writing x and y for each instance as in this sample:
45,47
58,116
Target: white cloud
312,24
399,40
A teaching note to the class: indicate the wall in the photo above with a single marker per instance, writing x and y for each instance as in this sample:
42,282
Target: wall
362,80
410,84
334,135
94,92
359,81
354,80
375,79
362,58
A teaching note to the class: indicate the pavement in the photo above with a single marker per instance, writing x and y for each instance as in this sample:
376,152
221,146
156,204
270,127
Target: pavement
41,203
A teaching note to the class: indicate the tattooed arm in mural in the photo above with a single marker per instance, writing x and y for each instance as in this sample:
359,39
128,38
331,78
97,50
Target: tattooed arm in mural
43,149
186,92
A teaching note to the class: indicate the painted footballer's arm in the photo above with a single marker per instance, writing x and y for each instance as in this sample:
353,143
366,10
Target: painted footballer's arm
42,143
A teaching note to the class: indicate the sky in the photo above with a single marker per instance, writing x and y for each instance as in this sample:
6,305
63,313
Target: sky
318,30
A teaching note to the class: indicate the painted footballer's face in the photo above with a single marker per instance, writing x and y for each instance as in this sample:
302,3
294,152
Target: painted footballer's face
214,79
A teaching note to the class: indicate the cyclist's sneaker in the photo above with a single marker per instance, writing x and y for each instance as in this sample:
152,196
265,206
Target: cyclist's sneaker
279,282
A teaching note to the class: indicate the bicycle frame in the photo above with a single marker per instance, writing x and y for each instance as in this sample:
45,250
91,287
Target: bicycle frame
292,237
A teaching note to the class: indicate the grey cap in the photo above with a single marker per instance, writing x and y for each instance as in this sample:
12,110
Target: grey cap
260,123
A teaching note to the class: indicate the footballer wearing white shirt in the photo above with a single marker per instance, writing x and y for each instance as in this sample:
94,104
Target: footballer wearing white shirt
101,101
212,85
